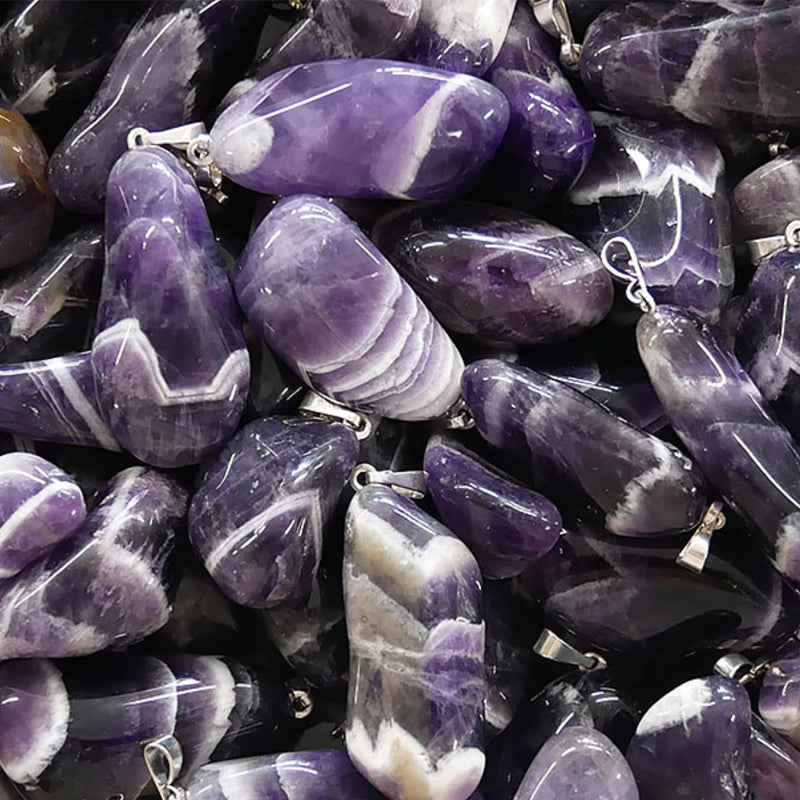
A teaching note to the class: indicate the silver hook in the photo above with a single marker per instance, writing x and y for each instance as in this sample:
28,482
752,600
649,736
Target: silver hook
554,648
636,290
768,246
164,760
739,668
320,407
409,483
553,17
695,554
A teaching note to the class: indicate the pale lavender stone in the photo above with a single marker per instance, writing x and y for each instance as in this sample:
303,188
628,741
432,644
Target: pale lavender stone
497,275
337,312
695,742
662,187
413,605
361,128
258,516
725,423
576,450
775,765
40,506
779,698
550,136
505,525
169,357
164,75
105,587
581,762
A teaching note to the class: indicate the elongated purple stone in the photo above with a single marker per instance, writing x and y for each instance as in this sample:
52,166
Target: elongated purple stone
505,525
412,598
779,699
775,765
361,128
169,357
164,75
550,137
107,585
337,312
498,275
695,742
582,762
40,506
723,420
570,444
662,187
257,519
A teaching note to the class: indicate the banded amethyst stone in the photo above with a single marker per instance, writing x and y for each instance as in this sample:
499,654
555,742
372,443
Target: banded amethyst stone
337,312
258,517
169,357
497,275
695,742
723,420
165,74
779,700
107,585
569,445
581,762
40,506
550,137
413,604
505,525
726,65
662,187
361,128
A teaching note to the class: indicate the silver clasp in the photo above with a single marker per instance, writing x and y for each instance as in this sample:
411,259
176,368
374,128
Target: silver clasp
301,702
316,405
409,483
738,668
636,290
459,417
695,554
553,17
554,648
770,245
164,759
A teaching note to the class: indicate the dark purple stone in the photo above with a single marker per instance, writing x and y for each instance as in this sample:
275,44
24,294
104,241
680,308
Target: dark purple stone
361,128
169,356
573,448
723,420
779,699
775,765
662,187
695,742
497,275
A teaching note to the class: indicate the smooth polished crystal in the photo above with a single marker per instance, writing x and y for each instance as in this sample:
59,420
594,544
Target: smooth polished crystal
169,357
727,65
550,137
361,128
695,743
337,312
581,762
725,423
574,449
504,524
106,586
775,765
166,73
27,204
497,275
779,699
662,187
258,516
46,307
413,602
40,506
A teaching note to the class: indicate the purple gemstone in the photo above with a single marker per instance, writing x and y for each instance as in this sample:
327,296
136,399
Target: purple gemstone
413,598
494,274
169,356
361,128
775,765
779,700
337,312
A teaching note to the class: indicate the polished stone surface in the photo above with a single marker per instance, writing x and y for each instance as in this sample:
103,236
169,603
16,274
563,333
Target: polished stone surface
775,765
779,698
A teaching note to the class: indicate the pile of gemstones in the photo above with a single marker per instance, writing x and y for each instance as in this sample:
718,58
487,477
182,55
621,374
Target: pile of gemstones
400,400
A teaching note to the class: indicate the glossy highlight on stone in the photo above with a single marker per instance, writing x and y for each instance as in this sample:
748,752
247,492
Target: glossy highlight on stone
361,128
497,275
775,765
779,698
337,312
412,598
169,357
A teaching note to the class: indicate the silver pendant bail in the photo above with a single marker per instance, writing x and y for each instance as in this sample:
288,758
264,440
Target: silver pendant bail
554,648
409,483
552,16
320,407
695,554
164,760
767,246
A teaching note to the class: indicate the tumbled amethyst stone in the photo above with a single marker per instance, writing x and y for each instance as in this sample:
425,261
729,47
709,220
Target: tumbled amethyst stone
779,699
575,450
719,64
505,525
413,604
169,356
494,274
775,765
550,137
40,506
337,312
695,742
257,518
361,128
662,187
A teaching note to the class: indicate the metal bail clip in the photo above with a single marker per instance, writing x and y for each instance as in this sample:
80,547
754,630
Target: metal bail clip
695,554
409,483
737,667
554,648
553,17
164,759
459,417
316,405
770,245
